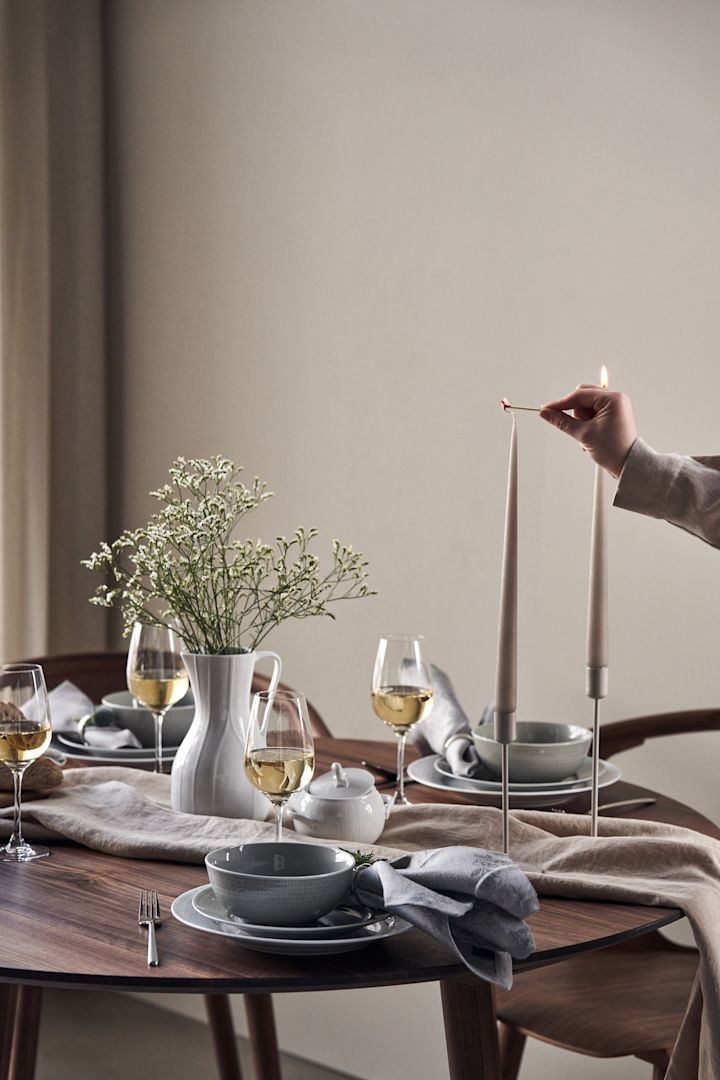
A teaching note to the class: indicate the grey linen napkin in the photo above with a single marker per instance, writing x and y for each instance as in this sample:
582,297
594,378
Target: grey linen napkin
473,901
68,703
445,719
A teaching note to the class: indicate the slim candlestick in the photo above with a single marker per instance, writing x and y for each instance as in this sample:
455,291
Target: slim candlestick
506,677
597,626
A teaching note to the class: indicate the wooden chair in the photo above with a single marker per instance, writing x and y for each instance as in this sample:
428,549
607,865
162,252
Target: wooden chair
96,674
624,1001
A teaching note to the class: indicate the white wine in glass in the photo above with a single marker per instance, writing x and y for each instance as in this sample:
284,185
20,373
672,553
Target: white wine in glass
279,752
401,693
25,733
156,675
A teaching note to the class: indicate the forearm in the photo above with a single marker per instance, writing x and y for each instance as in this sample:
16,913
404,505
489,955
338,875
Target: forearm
682,490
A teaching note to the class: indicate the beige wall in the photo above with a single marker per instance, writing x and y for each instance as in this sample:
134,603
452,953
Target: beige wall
345,231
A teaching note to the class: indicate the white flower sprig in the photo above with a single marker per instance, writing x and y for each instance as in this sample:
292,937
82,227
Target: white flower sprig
184,569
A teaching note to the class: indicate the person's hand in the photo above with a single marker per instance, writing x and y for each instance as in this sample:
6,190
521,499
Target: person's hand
602,421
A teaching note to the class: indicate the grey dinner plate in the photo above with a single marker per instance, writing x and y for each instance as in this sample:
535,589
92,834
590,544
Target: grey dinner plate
489,783
340,921
389,926
423,771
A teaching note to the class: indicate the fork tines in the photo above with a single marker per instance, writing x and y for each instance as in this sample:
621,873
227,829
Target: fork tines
149,915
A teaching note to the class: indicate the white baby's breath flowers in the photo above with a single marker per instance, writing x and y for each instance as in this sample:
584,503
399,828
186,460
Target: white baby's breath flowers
184,568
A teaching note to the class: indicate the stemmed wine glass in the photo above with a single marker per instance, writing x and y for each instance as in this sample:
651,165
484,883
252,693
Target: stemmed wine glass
279,751
156,675
25,733
401,693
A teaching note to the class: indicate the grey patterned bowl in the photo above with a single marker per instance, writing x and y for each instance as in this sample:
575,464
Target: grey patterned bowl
130,715
543,753
280,883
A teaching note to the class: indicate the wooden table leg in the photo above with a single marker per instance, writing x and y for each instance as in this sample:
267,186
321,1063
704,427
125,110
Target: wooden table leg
222,1032
263,1036
8,1005
470,1030
26,1032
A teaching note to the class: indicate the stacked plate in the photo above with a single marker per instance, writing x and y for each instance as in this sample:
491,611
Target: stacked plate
72,745
434,772
344,929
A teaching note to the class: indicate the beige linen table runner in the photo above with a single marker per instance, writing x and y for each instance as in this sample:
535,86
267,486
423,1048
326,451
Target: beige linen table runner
126,812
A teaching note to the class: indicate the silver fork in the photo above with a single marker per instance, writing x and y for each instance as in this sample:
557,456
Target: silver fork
149,915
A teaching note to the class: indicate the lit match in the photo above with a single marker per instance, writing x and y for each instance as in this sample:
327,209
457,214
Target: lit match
513,408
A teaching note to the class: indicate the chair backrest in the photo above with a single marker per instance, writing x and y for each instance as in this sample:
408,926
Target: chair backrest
99,673
625,734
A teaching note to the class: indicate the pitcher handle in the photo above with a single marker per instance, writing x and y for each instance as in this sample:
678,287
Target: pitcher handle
277,667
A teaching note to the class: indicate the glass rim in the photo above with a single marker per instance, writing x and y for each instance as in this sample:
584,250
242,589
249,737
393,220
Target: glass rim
402,637
14,669
264,695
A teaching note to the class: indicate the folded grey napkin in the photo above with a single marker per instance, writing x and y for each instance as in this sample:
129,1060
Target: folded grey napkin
434,734
111,738
471,900
68,704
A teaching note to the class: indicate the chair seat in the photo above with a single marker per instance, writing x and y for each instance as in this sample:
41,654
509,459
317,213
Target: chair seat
615,1002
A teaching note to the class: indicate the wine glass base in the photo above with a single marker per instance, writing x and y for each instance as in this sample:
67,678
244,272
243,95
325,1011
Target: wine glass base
22,852
399,800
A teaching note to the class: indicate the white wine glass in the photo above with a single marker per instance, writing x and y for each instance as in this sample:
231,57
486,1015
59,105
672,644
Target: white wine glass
25,733
401,693
279,751
156,675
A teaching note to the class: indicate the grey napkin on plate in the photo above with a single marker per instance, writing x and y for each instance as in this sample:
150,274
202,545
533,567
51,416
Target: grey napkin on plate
447,718
68,704
111,738
473,901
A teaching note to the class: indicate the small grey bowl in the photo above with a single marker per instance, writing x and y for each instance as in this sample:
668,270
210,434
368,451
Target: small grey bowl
175,725
543,752
280,883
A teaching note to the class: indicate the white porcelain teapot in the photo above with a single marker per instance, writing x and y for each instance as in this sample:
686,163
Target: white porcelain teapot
343,804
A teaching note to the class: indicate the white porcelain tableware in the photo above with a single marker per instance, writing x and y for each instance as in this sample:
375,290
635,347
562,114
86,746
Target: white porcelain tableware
343,804
130,715
485,782
424,772
208,773
121,755
389,926
342,920
280,883
542,751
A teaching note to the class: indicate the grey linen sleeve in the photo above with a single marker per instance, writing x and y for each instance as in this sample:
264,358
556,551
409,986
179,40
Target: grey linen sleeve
682,490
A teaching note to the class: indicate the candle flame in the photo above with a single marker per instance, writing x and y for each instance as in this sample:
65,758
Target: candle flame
604,378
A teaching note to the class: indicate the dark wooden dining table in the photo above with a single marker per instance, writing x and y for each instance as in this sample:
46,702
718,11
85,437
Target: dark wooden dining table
71,921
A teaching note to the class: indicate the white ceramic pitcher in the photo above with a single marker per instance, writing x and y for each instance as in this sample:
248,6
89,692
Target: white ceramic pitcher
208,776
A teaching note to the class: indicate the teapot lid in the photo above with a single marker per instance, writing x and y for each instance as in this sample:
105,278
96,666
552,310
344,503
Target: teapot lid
342,783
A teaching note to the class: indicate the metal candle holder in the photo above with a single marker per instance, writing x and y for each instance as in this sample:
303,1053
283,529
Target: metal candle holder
596,688
505,733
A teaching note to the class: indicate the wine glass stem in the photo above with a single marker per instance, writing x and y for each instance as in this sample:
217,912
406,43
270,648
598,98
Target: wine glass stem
158,719
278,821
16,840
401,736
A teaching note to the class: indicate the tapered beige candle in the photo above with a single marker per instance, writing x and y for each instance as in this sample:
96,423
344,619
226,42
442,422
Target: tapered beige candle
506,676
597,625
